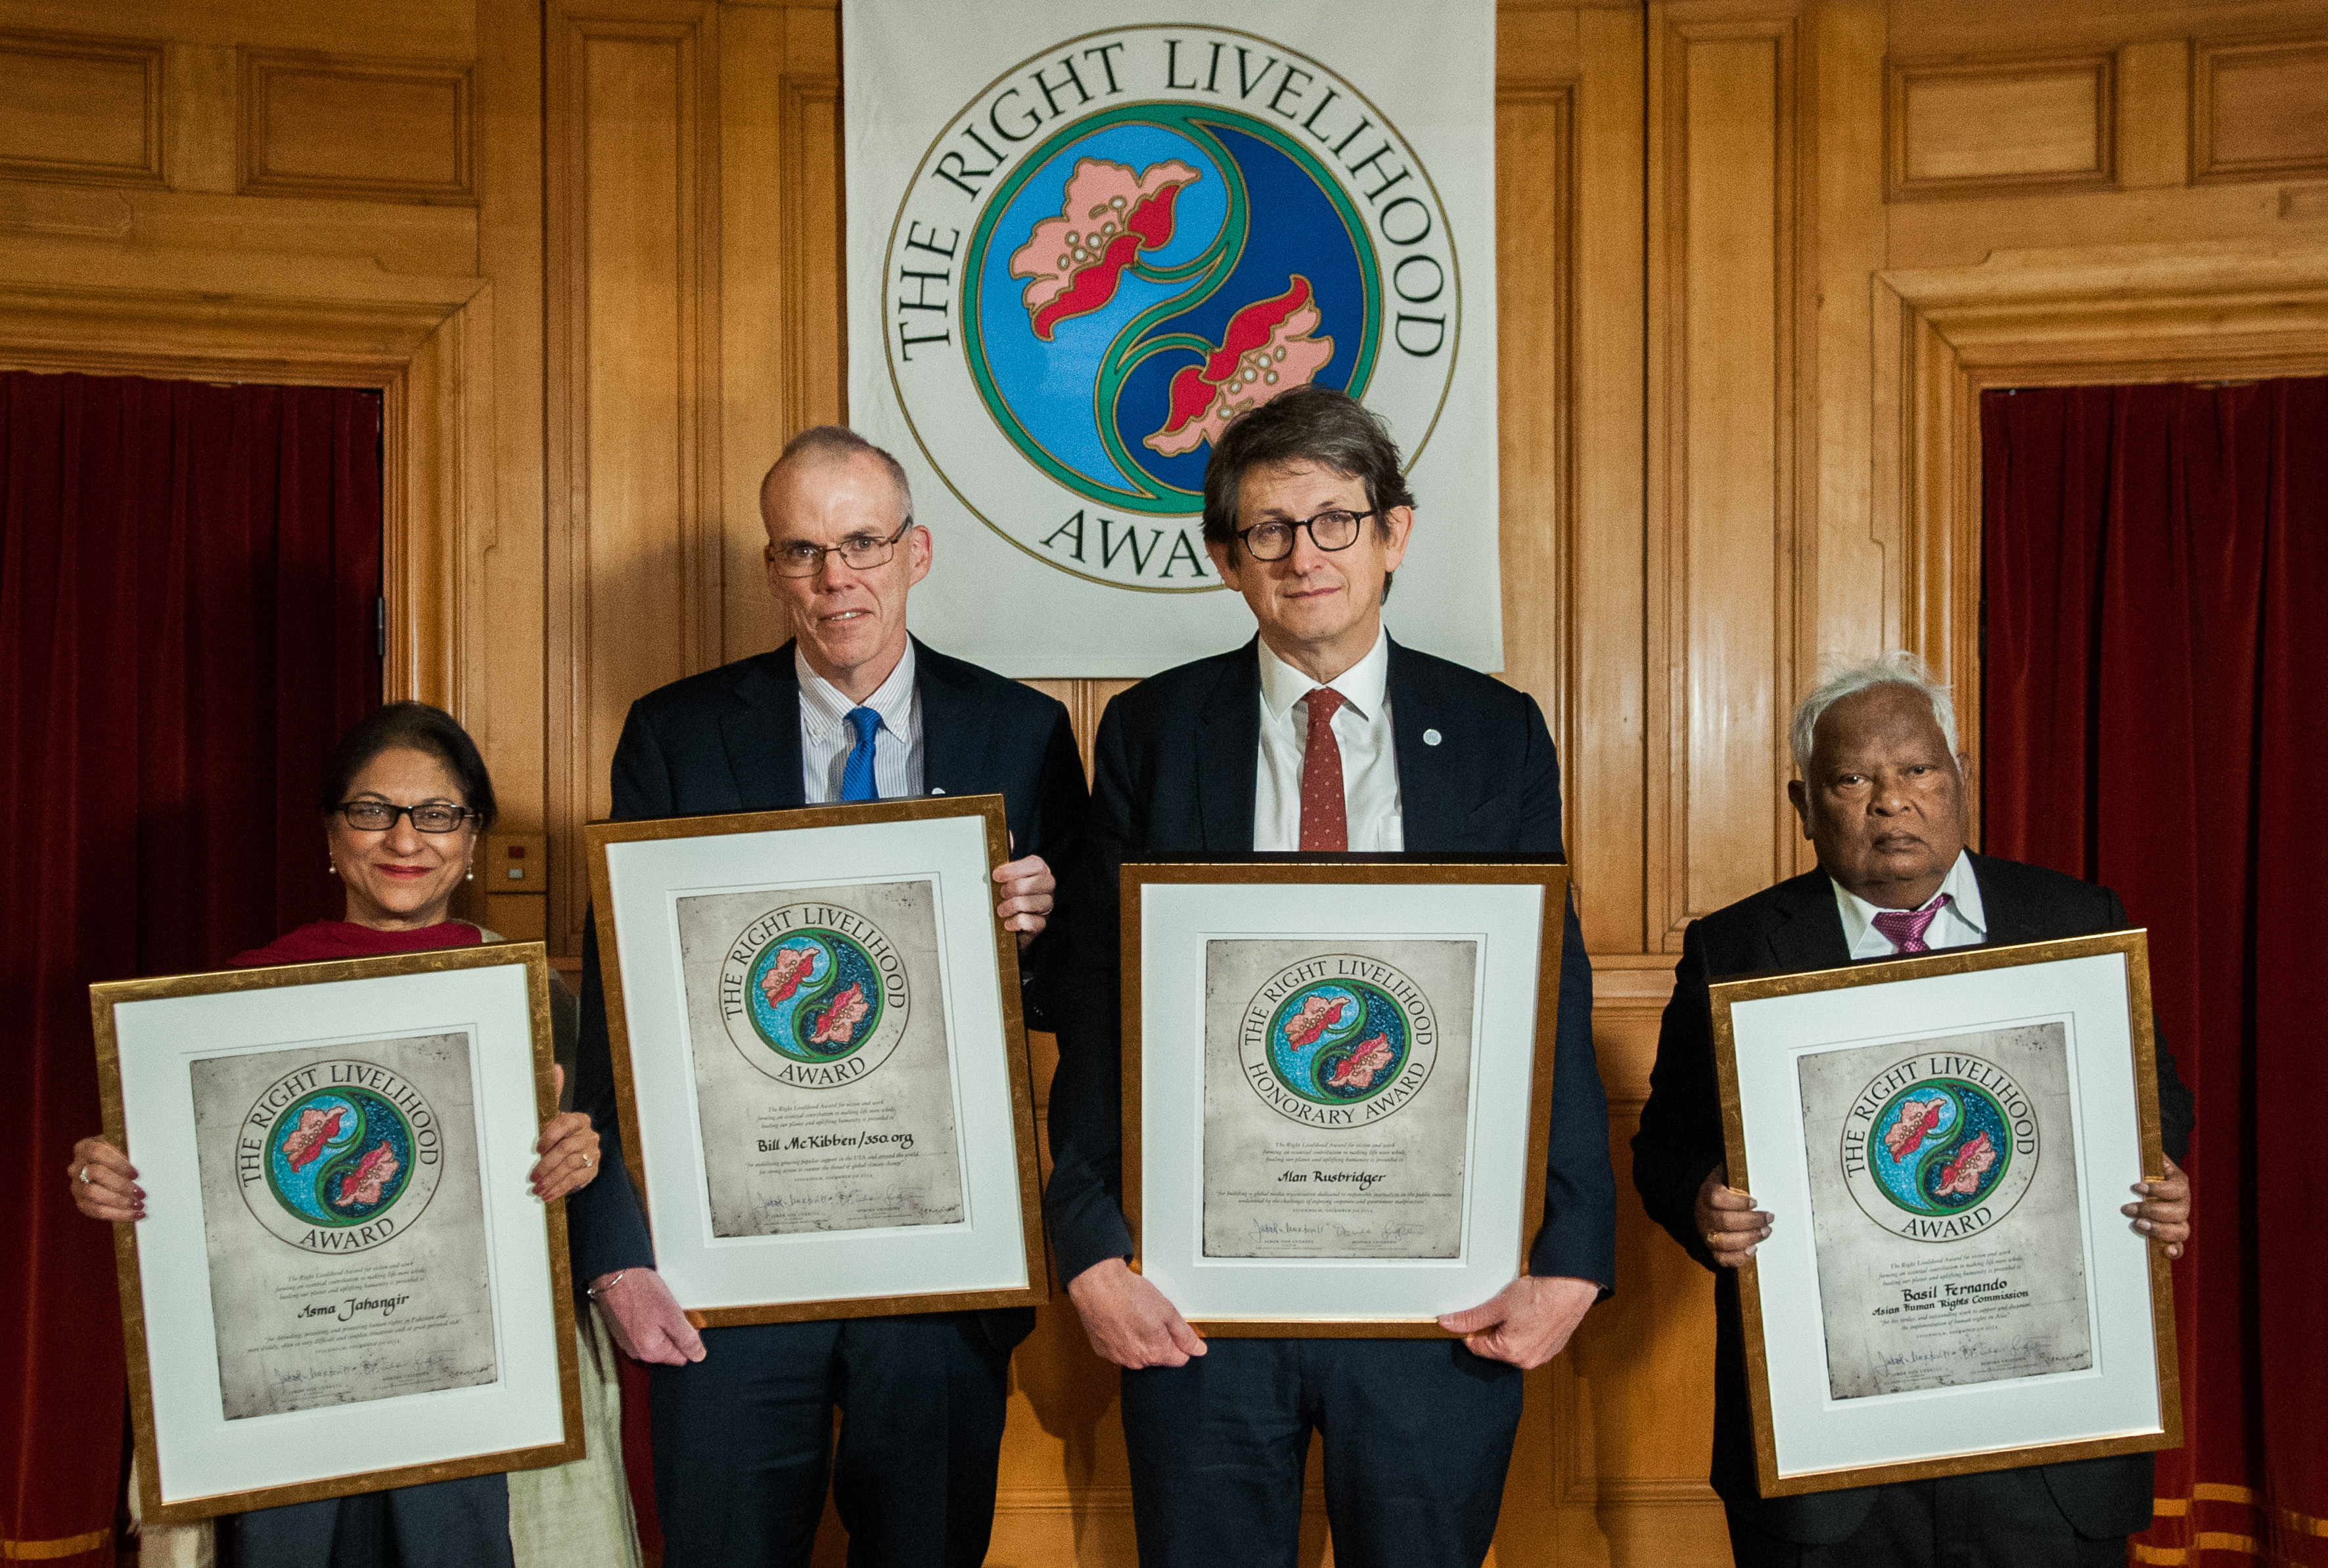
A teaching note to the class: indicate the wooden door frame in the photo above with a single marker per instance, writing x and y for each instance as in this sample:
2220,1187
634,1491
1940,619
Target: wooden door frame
426,353
2046,319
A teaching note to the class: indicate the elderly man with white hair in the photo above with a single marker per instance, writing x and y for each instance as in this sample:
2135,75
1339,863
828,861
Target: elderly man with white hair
1882,795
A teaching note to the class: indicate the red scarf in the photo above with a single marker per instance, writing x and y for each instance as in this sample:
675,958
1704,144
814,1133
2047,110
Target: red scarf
321,940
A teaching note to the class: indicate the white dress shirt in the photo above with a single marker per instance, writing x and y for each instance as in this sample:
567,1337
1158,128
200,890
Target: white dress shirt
1361,729
1960,923
827,739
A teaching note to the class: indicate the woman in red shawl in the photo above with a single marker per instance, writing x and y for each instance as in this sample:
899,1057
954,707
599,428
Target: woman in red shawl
405,797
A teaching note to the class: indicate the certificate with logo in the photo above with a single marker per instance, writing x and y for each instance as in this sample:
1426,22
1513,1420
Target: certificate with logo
1944,1143
824,1096
343,1283
342,1152
820,1060
1338,1086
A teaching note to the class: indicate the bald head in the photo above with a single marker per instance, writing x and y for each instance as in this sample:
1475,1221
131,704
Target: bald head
842,551
822,447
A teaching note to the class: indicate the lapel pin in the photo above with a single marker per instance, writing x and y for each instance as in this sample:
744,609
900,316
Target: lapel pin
1430,737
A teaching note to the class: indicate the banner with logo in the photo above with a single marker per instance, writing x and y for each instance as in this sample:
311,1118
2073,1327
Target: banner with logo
1082,237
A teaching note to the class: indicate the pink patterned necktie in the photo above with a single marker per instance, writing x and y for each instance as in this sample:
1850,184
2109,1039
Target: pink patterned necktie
1905,927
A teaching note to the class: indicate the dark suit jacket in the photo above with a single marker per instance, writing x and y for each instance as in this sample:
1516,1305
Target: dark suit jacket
1176,761
728,739
1795,926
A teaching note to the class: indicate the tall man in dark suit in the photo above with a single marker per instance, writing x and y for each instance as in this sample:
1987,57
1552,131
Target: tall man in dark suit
1882,795
1321,734
852,709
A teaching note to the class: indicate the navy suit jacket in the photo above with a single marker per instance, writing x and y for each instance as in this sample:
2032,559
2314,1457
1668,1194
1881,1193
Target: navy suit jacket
728,739
1795,926
1176,765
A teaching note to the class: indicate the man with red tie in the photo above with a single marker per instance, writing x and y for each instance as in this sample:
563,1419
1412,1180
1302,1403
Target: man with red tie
1882,796
1320,734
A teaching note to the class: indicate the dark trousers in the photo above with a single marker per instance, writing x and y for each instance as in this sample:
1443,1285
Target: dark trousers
743,1444
462,1524
2000,1519
1418,1435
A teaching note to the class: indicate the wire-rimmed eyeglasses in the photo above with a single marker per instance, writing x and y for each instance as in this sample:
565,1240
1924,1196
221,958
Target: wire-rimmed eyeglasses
859,552
1337,530
378,815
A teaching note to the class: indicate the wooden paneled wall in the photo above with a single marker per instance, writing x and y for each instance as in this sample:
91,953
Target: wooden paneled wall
1759,257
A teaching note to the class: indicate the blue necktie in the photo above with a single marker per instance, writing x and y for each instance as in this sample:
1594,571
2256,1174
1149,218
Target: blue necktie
857,774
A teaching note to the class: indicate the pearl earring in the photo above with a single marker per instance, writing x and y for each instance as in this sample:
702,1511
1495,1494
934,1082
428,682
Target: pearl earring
333,866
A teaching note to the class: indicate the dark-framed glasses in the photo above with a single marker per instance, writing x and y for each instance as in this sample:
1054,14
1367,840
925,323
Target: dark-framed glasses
859,552
378,815
1330,530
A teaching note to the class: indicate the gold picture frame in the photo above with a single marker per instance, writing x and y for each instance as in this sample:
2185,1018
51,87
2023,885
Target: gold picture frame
1549,876
107,1002
2136,1075
988,809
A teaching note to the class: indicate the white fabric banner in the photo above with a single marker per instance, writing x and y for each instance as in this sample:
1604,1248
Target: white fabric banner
1083,235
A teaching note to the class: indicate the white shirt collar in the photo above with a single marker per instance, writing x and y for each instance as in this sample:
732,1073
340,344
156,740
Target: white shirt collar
1960,884
823,708
1361,686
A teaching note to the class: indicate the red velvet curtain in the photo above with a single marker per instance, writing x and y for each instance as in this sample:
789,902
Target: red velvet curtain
2156,570
187,579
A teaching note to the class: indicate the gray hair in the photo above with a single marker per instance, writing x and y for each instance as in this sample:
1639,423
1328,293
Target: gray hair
1895,668
832,444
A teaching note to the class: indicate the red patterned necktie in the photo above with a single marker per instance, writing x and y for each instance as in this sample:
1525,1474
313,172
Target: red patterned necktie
1906,928
1325,815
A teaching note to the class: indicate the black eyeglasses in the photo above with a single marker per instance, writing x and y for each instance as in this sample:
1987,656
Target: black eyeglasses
1332,531
859,552
378,815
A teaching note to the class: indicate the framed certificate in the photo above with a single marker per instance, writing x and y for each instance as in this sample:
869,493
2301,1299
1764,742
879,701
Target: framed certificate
1337,1086
819,1058
1944,1143
343,1282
